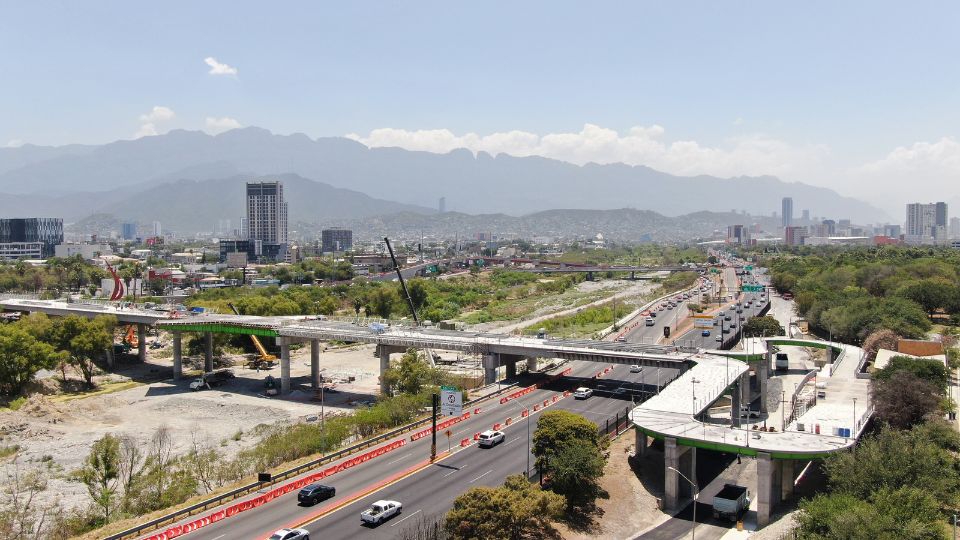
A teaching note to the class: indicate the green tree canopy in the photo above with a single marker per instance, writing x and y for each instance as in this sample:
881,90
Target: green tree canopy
21,356
762,326
516,510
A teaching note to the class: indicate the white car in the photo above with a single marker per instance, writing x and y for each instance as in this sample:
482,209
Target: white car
635,369
380,511
582,393
291,534
490,438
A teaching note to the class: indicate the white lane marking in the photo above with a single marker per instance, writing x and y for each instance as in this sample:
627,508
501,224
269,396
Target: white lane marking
401,458
219,537
405,518
455,470
481,476
511,440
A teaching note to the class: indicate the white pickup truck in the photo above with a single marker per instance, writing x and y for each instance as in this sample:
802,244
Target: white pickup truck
380,511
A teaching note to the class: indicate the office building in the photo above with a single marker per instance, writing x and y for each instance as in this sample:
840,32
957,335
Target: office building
738,234
157,229
806,217
787,211
336,239
128,231
892,231
266,212
442,206
22,231
12,251
926,223
828,228
794,235
954,227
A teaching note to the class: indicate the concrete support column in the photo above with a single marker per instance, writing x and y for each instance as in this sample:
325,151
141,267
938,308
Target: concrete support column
491,365
767,473
315,363
531,364
745,388
177,356
735,403
284,365
641,442
786,479
384,353
207,351
671,480
763,373
142,342
511,369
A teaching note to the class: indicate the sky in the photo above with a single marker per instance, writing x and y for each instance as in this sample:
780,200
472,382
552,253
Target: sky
861,97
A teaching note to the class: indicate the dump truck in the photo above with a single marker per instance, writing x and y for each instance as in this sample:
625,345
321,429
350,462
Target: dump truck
212,378
731,502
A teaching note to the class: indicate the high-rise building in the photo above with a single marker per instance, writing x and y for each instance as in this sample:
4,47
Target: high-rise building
128,230
442,205
806,217
266,212
738,234
828,228
157,229
244,231
45,231
926,223
336,239
787,208
954,227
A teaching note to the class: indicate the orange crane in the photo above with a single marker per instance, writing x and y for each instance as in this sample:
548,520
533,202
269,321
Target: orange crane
265,357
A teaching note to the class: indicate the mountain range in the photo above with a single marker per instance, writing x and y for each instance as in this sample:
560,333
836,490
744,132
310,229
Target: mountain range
191,180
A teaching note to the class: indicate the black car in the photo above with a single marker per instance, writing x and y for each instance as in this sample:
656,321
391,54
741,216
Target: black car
315,493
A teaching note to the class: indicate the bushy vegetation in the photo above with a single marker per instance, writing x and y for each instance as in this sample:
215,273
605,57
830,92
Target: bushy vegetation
58,275
570,451
854,292
678,281
516,510
585,322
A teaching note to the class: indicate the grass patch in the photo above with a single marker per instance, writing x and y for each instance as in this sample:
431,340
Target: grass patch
105,388
7,451
15,404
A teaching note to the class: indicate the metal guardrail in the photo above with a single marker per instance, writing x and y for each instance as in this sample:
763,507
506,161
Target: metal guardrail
279,477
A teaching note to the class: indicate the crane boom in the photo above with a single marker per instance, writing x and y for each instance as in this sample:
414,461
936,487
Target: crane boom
403,284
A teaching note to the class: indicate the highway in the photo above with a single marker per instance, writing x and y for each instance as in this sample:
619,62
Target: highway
431,490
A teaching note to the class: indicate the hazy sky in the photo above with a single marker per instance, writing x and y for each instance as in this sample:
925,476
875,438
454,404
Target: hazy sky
859,96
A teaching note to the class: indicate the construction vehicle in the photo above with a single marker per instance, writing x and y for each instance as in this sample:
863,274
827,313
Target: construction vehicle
406,294
266,360
731,502
131,338
213,378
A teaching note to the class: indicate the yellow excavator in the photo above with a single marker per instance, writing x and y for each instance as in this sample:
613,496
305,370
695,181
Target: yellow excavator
266,360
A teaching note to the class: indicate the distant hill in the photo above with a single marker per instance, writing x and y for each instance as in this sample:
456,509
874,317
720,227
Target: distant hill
32,176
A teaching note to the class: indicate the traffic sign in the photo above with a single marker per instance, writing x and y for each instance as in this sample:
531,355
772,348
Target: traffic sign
451,401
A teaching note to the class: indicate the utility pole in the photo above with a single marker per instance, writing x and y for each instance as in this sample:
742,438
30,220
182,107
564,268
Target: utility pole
433,445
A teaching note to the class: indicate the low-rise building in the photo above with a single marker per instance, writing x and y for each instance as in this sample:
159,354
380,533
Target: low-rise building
12,251
86,251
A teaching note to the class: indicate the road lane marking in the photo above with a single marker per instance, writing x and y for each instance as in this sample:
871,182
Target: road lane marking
455,470
406,518
511,440
401,458
219,537
481,476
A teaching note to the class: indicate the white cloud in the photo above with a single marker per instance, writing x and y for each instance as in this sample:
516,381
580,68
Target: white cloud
14,143
640,145
219,125
149,121
921,171
216,68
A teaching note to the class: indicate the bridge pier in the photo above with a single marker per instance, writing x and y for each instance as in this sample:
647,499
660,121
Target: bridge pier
142,342
532,364
511,369
384,352
763,373
673,459
315,363
207,351
745,389
284,366
640,445
786,479
735,403
769,473
491,365
177,356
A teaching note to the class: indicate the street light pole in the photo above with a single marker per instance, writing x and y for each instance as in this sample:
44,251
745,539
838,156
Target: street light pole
696,495
855,417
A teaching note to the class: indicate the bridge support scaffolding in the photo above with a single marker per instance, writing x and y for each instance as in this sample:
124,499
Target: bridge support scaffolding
177,356
674,457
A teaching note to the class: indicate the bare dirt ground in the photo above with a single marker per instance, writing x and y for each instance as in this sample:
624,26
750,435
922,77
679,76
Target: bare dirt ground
631,506
58,433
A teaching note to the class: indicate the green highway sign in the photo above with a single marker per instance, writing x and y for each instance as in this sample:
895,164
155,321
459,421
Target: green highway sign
748,268
752,288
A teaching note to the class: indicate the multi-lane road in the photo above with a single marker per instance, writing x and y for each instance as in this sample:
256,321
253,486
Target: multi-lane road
429,489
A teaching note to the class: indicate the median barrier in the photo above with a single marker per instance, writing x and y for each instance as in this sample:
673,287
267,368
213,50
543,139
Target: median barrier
546,402
524,413
476,411
508,421
464,443
476,436
496,426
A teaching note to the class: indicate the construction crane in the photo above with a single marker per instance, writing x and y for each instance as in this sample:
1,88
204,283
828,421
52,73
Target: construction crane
406,294
265,357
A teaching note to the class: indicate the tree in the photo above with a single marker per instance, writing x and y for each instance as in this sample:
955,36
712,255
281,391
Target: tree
906,512
412,375
418,293
381,302
21,356
513,511
762,326
904,400
22,515
101,473
83,340
880,339
932,371
570,448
